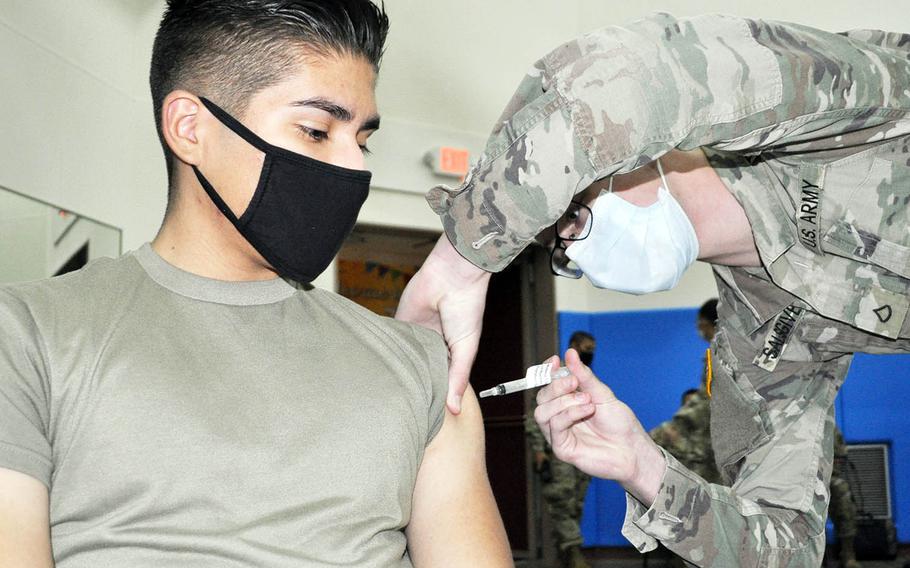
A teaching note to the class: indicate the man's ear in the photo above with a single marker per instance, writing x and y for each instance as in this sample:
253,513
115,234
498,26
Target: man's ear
181,126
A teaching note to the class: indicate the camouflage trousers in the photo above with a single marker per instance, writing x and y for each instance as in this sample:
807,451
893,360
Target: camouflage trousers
565,497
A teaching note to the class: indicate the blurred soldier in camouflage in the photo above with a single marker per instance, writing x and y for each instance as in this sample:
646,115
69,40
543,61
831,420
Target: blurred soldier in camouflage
786,150
687,436
843,508
564,486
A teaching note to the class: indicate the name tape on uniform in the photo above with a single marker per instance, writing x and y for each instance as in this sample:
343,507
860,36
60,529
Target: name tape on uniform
808,213
777,339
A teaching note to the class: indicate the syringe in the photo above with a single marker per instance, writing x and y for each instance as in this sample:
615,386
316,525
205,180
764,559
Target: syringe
537,376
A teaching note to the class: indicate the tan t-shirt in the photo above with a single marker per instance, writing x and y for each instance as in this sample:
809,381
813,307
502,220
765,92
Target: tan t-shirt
184,421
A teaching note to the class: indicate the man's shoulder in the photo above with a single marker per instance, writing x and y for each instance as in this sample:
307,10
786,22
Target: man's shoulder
660,432
403,333
100,278
418,353
50,310
417,341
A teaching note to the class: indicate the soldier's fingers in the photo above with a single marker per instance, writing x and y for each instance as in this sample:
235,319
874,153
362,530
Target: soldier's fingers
546,411
556,389
561,427
462,355
587,381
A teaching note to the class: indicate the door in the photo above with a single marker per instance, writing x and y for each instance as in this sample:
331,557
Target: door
519,330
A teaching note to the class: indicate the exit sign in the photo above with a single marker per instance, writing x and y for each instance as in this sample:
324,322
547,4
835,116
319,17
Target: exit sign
449,161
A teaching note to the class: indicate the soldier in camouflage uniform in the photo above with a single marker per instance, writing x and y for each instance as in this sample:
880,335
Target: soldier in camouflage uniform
565,486
687,436
809,131
843,508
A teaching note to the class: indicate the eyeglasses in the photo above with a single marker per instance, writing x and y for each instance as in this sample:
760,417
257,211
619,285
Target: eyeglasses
572,226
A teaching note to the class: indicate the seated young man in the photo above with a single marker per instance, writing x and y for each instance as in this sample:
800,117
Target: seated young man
195,403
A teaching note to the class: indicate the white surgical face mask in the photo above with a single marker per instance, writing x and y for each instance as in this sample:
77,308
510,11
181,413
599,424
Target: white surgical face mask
634,249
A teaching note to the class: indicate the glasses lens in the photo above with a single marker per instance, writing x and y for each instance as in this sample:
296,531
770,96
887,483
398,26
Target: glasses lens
573,225
561,264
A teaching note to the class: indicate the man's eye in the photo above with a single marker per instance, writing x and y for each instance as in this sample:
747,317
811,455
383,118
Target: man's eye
313,134
366,151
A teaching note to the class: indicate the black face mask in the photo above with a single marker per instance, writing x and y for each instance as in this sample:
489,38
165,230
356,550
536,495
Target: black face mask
302,209
586,357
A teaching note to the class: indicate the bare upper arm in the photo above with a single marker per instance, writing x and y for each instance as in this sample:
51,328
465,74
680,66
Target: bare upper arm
454,519
25,536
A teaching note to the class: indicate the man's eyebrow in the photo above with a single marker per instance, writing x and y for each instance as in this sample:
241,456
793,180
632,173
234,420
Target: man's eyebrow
371,124
337,111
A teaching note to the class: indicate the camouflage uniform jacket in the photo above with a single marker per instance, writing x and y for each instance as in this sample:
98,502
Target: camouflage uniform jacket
810,131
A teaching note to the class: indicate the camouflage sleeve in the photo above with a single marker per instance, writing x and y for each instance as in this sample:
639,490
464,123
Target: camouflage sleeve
618,98
536,441
709,525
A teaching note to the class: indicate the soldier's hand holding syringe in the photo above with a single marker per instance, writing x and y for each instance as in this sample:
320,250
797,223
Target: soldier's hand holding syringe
588,427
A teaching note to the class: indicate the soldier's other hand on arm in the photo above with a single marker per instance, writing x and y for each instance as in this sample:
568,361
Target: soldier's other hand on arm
590,428
448,295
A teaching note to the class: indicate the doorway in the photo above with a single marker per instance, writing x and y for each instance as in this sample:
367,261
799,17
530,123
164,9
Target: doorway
375,264
519,330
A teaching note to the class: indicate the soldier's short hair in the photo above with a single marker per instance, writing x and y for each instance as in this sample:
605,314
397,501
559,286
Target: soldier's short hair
578,336
708,310
687,394
229,50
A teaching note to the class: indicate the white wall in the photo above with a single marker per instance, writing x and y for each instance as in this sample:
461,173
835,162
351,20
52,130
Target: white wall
36,240
76,123
25,222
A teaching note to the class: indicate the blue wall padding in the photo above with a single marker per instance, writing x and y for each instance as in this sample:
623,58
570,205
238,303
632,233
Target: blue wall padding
874,406
649,358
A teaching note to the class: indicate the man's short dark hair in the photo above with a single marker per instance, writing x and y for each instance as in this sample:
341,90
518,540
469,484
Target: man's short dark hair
687,394
708,311
228,50
578,336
